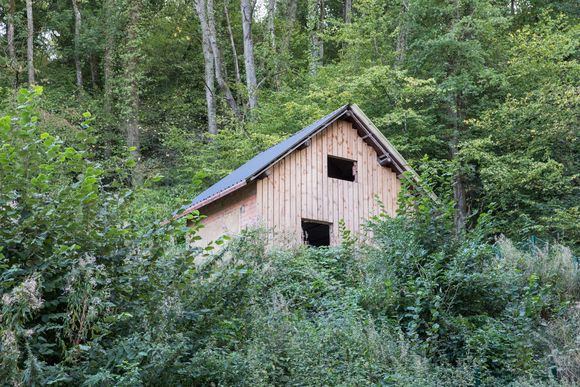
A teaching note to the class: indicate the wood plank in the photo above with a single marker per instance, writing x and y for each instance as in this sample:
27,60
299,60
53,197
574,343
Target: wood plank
314,170
340,183
349,131
324,175
351,184
332,134
319,178
356,187
387,189
376,183
280,194
270,189
392,192
334,191
287,185
304,167
378,188
292,198
309,184
368,183
298,197
381,182
396,192
276,196
259,200
371,182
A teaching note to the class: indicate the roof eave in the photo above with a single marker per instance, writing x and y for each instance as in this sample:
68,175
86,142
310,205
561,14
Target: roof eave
404,165
210,199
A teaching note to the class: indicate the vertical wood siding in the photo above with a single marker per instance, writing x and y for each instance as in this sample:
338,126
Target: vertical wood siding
298,186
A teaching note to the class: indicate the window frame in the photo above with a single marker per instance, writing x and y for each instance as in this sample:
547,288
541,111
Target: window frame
354,167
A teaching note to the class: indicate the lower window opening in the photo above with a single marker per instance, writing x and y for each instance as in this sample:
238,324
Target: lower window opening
315,233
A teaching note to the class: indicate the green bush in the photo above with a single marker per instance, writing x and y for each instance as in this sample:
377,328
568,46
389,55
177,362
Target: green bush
95,293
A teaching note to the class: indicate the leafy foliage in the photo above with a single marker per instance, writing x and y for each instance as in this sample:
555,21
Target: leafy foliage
96,291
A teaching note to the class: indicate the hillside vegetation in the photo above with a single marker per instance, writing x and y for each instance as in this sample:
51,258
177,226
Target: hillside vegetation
113,114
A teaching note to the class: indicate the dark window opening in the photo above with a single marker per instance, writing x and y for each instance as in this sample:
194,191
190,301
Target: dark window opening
341,168
316,234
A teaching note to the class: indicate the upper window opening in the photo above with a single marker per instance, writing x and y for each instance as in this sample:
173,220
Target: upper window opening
343,169
316,233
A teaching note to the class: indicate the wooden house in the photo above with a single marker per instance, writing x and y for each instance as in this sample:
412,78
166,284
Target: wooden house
339,168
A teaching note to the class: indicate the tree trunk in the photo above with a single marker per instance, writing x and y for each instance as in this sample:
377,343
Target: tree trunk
284,53
314,25
133,130
108,61
30,42
209,67
108,71
218,63
251,82
77,43
271,26
403,34
290,19
233,44
348,11
94,71
458,179
10,37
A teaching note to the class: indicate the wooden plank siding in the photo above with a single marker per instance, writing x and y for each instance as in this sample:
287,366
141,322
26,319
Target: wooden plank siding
298,187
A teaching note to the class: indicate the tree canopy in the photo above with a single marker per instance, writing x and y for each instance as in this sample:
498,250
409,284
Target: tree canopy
115,113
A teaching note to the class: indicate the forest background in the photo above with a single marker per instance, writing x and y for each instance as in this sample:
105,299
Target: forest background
480,96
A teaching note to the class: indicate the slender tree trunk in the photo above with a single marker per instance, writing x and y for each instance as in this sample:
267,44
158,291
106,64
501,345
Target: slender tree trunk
30,42
218,62
10,38
348,11
108,71
133,130
275,58
233,44
290,20
290,15
403,34
271,25
77,43
94,71
209,68
456,107
347,16
251,82
314,25
459,193
108,62
108,59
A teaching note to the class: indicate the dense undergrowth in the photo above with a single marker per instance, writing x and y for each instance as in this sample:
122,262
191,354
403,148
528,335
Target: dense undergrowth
91,295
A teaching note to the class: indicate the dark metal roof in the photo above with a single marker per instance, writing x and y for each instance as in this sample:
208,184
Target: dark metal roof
263,160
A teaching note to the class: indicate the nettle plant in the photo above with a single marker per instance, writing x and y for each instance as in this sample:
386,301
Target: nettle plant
54,215
67,249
